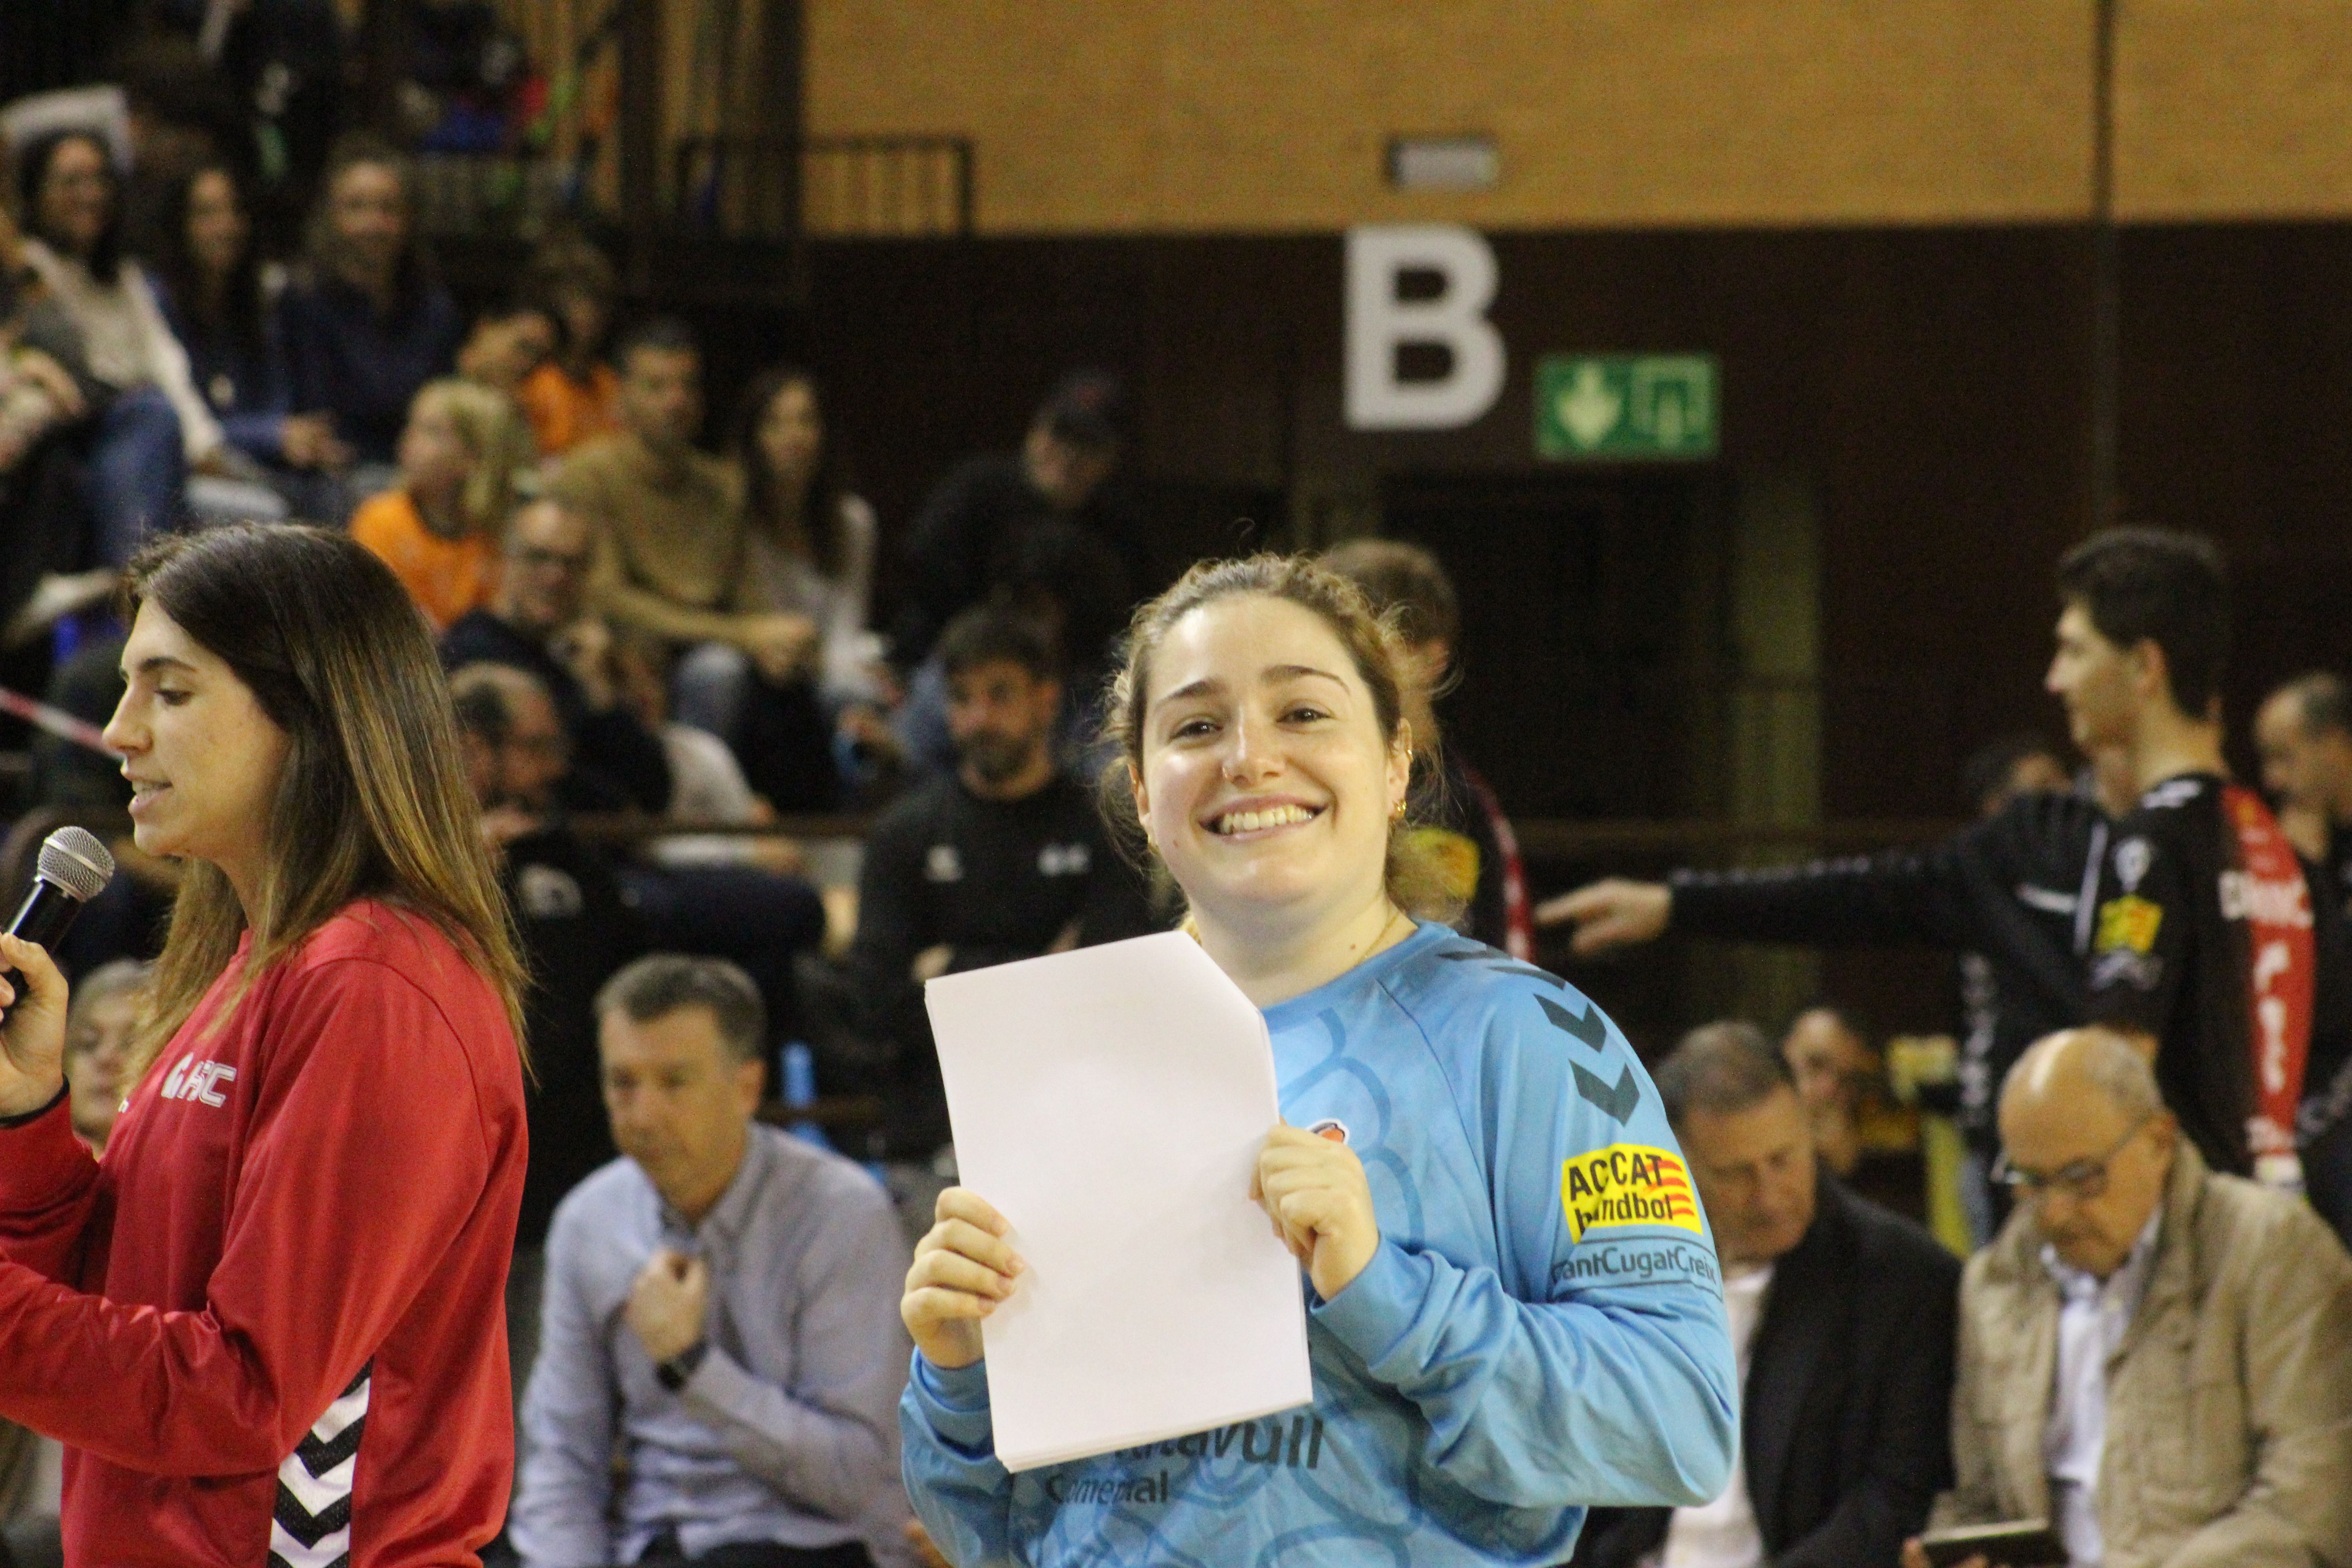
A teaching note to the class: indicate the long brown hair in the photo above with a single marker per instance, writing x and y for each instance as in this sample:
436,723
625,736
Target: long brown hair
372,802
326,256
1415,876
826,540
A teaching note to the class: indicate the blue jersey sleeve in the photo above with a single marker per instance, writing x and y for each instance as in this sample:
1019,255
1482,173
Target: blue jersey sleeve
947,1459
1594,1366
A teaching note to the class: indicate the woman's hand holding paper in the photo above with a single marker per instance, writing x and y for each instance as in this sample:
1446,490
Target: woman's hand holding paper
963,1267
1313,1189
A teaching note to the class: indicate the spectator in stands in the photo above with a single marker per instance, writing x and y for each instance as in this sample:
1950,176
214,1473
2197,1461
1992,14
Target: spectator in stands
809,540
538,621
1042,519
718,1310
279,64
1485,891
223,309
512,338
461,458
573,396
1005,859
1842,1316
577,931
366,325
672,566
2303,732
180,115
100,1021
754,917
1999,772
2153,1356
44,511
153,424
1045,527
1832,1066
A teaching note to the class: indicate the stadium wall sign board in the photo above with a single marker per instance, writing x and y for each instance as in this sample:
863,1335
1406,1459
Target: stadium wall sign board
1625,407
1428,287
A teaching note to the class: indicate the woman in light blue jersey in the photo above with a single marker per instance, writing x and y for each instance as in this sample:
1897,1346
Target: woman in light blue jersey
1514,1312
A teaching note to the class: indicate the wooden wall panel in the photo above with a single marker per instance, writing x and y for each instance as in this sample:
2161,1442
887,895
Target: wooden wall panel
1202,116
2233,109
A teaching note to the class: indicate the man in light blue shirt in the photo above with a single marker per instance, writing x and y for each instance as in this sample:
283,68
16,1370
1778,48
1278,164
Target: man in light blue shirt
720,1316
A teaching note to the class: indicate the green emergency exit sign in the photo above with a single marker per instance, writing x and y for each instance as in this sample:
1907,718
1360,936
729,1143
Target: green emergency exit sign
1625,407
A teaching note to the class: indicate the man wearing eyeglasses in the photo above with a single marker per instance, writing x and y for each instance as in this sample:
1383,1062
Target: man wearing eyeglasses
539,622
2155,1358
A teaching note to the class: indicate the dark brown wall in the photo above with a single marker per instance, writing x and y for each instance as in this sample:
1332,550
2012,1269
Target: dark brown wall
1931,384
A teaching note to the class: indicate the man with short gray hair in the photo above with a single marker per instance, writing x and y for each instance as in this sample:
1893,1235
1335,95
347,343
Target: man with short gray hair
2154,1358
1841,1321
720,1307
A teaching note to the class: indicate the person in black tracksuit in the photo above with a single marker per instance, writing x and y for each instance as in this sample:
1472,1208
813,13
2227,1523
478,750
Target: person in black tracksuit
2011,890
1006,858
2183,955
2213,944
2160,944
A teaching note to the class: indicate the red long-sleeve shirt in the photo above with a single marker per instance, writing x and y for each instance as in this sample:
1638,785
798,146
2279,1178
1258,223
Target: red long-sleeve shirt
269,1326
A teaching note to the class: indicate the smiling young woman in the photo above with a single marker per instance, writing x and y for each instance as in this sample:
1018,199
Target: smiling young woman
1465,1141
268,1323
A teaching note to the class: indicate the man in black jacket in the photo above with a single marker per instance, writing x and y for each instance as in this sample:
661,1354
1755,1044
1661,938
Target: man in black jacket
1843,1316
1005,859
1044,525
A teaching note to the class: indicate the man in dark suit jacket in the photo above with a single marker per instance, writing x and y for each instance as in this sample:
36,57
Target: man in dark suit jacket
1843,1316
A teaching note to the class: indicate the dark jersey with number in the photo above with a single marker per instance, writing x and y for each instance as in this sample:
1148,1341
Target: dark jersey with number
2210,939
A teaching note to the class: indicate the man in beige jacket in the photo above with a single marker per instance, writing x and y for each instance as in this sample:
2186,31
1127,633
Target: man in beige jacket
2155,1359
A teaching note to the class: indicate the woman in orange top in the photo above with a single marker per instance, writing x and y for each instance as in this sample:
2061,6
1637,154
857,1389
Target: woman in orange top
570,396
460,456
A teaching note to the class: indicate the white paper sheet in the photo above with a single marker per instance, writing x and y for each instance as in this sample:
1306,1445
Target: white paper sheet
1110,1102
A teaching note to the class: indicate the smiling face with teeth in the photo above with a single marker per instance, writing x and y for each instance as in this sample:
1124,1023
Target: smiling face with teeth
1266,785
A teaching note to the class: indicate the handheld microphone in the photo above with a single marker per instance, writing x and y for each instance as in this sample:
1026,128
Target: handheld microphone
74,868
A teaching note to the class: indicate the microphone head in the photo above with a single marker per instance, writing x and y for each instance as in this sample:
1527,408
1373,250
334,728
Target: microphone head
75,860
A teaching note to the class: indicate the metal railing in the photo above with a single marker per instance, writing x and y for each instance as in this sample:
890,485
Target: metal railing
1542,838
824,187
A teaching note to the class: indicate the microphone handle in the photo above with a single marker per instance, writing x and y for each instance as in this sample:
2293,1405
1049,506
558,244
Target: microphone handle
41,919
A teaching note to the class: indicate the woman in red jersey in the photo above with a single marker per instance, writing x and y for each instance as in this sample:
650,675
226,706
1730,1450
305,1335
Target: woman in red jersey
267,1324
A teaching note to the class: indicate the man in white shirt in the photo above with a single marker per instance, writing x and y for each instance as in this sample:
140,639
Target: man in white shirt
2155,1359
1841,1321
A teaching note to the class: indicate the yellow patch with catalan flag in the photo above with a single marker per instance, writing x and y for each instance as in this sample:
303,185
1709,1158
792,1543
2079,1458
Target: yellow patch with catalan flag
1625,1185
2128,923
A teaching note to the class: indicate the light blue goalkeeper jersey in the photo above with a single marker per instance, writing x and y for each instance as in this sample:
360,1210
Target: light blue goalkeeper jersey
1540,1331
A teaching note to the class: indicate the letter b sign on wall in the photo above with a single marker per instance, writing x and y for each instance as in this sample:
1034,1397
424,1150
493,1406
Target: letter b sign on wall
1381,319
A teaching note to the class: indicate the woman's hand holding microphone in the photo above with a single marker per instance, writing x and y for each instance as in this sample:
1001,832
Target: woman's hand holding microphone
33,1045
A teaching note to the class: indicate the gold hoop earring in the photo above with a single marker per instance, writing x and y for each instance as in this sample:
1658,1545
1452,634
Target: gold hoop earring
1398,815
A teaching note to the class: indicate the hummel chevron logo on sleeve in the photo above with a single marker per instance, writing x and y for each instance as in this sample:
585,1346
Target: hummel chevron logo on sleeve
1592,1028
312,1527
1617,1103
